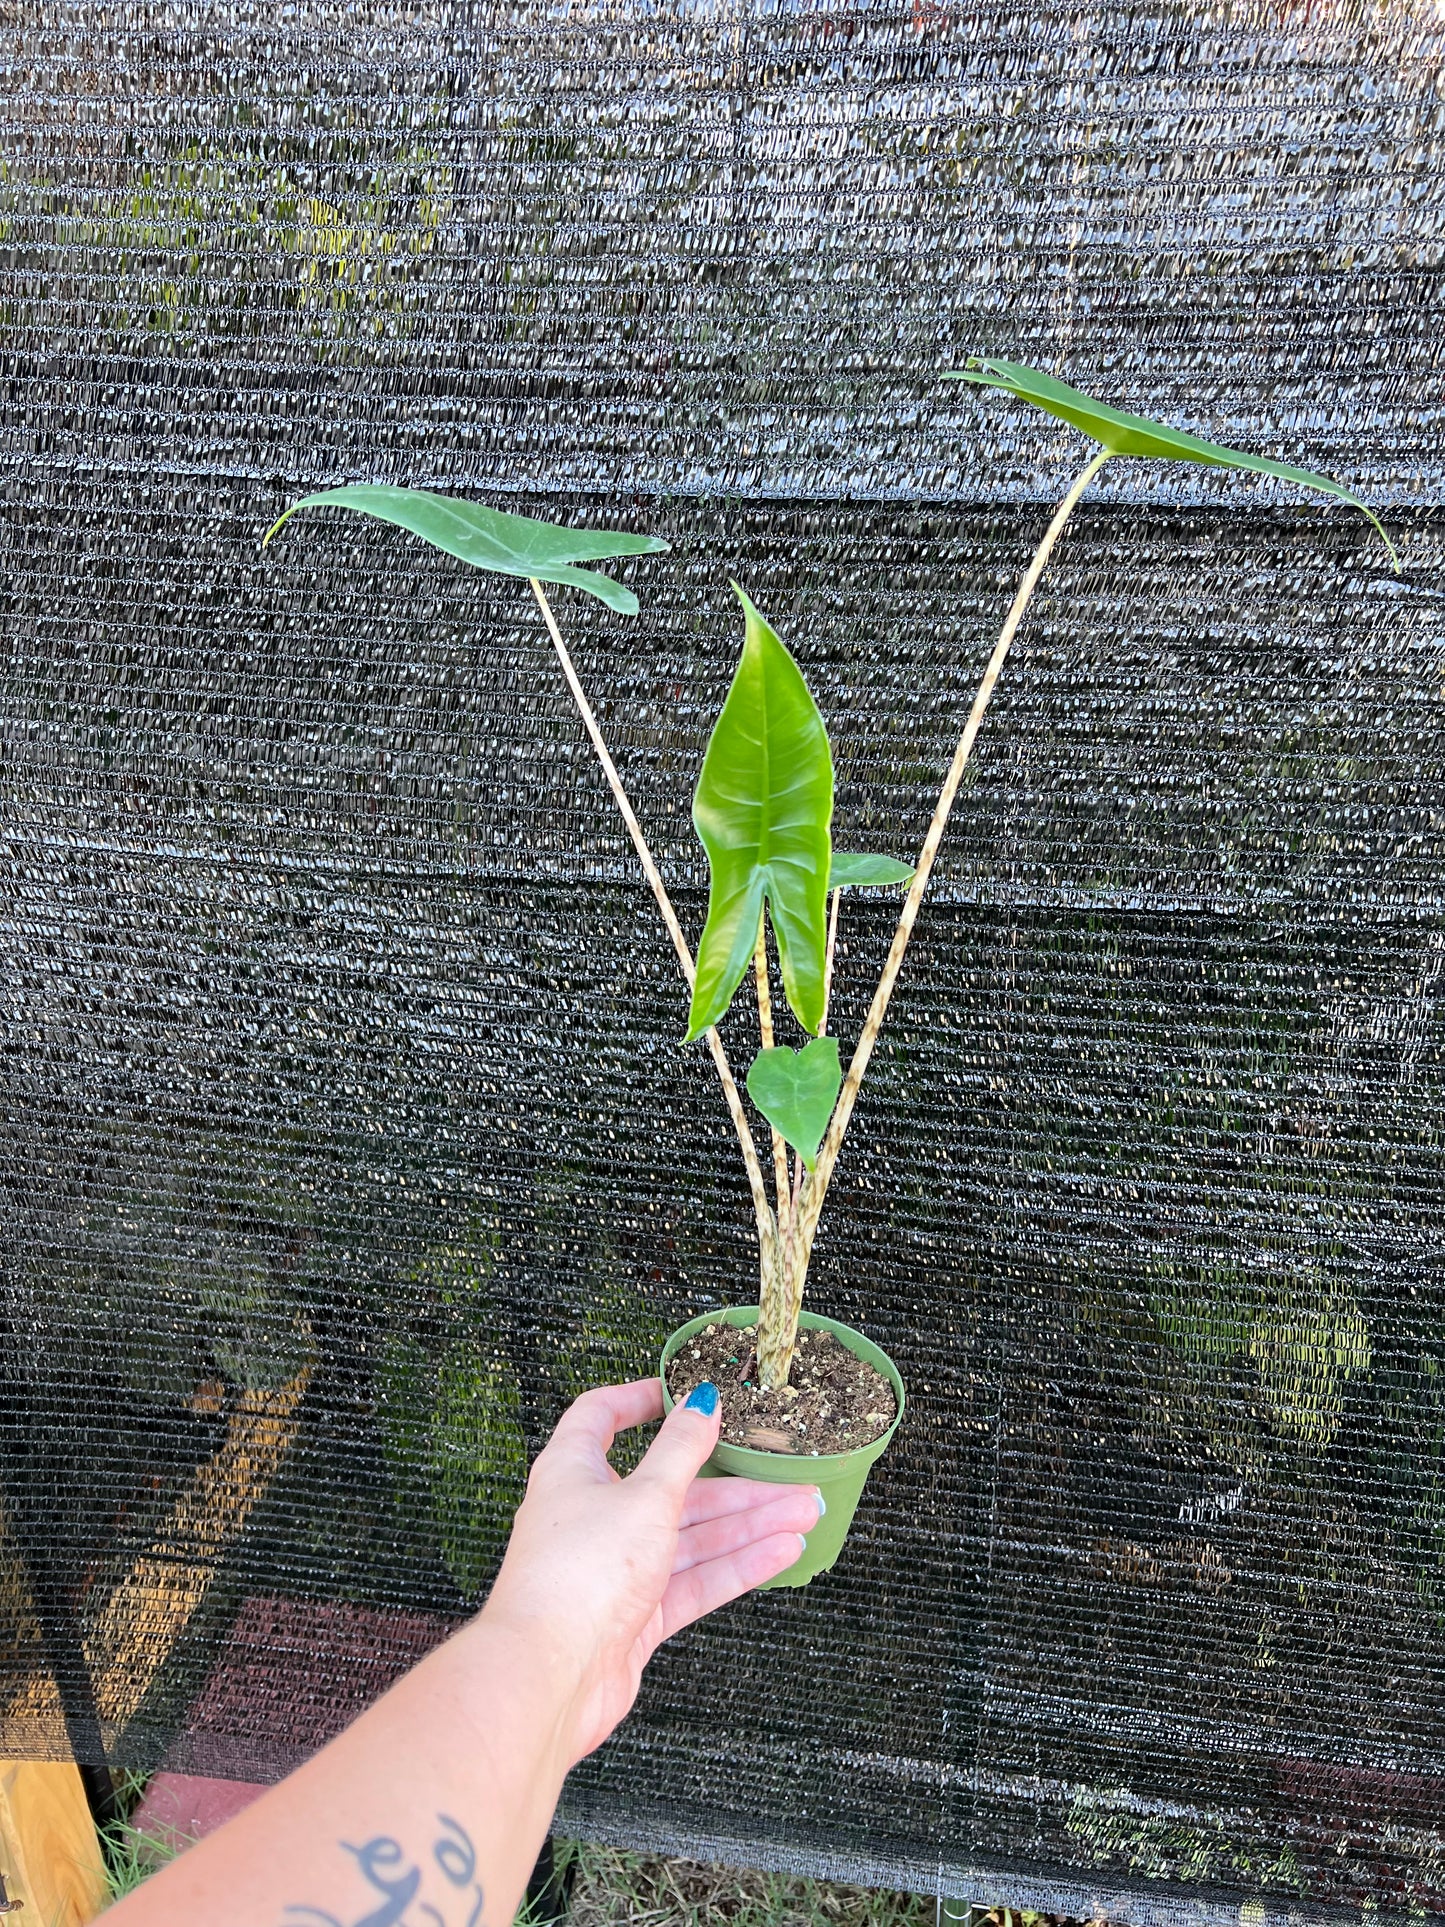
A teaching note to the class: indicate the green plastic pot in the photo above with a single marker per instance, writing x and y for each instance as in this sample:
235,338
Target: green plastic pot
839,1476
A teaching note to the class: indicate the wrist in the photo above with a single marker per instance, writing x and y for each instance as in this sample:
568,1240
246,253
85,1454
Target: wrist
522,1661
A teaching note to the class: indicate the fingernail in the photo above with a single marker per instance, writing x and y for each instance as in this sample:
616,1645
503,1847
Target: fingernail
802,1545
703,1398
822,1503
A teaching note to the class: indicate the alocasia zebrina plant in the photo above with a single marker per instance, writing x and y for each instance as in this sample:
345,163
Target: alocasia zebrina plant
763,811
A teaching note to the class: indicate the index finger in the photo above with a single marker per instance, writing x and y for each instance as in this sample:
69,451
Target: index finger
594,1420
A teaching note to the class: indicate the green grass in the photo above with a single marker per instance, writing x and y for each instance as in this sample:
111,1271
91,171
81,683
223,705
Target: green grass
131,1856
616,1889
612,1888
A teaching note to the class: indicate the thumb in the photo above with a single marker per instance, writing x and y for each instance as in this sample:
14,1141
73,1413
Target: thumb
680,1450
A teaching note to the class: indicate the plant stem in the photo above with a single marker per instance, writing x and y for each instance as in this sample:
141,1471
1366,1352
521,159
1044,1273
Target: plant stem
765,1035
774,1322
619,795
798,1171
828,962
778,1321
767,1224
878,1009
822,1032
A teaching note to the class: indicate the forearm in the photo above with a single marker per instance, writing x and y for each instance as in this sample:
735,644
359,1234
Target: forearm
428,1811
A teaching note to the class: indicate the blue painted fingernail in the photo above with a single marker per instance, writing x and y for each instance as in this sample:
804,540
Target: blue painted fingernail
703,1398
822,1503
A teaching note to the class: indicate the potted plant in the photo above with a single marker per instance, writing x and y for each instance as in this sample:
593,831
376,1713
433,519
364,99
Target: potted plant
763,811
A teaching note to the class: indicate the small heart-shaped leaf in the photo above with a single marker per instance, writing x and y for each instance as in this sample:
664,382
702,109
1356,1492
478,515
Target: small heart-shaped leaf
850,871
796,1090
493,538
1137,435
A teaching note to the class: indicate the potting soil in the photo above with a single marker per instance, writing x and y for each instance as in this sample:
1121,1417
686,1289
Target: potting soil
346,1134
832,1402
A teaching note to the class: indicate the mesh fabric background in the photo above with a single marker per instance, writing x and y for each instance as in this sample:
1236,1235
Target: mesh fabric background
345,1133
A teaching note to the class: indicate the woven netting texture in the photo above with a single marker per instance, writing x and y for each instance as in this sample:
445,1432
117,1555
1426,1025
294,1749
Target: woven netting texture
346,1131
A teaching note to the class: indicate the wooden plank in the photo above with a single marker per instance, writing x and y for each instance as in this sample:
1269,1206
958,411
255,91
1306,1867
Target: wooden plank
137,1628
48,1849
149,1610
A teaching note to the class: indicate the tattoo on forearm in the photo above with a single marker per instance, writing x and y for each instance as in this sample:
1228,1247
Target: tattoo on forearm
411,1894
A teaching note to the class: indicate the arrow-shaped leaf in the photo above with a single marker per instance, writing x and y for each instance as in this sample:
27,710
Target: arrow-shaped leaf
762,808
1137,435
796,1090
492,538
854,872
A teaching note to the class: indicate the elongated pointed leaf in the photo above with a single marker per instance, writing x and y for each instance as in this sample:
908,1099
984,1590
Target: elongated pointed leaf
796,1090
492,538
853,872
763,805
1137,435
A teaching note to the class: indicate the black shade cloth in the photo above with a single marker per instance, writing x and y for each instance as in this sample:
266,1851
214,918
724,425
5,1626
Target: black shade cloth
345,1132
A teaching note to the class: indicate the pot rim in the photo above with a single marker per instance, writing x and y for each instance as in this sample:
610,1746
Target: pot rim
810,1321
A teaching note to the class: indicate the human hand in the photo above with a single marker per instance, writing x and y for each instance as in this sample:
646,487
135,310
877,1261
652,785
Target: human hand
600,1569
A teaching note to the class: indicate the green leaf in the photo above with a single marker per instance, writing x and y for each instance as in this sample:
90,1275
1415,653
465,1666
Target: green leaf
850,872
762,808
493,539
1137,435
796,1090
